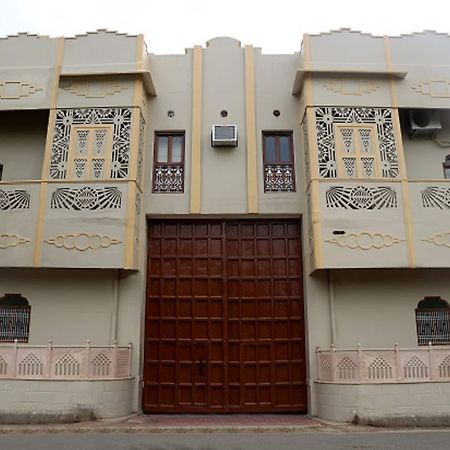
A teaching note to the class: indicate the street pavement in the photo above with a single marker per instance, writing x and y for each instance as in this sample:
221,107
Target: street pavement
374,440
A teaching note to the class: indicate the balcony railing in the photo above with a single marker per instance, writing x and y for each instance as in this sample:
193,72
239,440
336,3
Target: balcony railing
88,362
396,365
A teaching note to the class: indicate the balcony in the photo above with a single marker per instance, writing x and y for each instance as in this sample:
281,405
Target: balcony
68,224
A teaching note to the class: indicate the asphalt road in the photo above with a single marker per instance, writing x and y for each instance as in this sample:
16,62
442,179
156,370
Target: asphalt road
410,440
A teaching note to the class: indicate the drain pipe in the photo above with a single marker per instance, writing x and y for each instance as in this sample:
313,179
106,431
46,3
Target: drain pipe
115,307
331,299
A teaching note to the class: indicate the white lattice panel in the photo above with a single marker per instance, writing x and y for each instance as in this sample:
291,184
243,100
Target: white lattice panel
415,365
100,363
346,366
31,363
378,366
69,362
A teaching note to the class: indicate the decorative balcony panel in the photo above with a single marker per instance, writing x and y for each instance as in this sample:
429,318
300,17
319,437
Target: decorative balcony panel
85,225
168,178
19,206
279,178
361,225
430,217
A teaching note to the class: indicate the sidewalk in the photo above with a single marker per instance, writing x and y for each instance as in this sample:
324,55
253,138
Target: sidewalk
160,423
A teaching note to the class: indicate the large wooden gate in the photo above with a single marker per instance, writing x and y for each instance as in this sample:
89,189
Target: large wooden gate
224,317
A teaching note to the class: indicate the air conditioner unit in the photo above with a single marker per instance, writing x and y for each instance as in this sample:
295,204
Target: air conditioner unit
224,136
423,122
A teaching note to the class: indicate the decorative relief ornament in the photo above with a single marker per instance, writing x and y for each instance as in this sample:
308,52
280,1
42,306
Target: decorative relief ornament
82,241
94,90
440,239
8,240
14,90
364,240
433,88
351,87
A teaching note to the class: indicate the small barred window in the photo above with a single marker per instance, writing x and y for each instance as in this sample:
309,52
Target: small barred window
14,318
433,321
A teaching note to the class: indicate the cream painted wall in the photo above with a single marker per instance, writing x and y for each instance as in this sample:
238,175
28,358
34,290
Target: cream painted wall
376,307
67,306
423,156
22,144
173,77
224,170
273,92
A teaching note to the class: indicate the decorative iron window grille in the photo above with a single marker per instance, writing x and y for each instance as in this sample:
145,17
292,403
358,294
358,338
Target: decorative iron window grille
168,166
278,161
433,321
14,318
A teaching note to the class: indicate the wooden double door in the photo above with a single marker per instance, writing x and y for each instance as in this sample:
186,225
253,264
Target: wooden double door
224,317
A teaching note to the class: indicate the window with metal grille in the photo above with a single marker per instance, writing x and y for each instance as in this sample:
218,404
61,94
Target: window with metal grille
433,321
14,318
278,155
168,162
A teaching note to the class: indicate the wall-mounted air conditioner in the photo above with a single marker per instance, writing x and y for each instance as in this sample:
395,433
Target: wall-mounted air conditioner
224,136
423,122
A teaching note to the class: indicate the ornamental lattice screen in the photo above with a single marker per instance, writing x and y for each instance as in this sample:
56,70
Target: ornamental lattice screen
329,120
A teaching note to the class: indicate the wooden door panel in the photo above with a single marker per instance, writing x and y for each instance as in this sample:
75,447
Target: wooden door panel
224,317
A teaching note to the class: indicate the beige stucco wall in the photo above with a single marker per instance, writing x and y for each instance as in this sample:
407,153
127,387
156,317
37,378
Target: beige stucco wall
22,144
376,308
67,306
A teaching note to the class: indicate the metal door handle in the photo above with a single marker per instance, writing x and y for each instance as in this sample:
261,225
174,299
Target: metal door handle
201,368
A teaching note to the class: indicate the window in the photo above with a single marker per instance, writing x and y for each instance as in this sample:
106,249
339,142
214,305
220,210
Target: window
446,165
14,318
278,155
168,165
433,321
90,152
356,151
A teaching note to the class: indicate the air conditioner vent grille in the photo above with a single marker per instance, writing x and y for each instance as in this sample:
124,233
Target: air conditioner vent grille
224,136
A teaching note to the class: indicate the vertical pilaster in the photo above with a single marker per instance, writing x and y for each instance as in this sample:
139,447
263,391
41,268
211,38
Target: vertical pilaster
47,154
250,119
196,143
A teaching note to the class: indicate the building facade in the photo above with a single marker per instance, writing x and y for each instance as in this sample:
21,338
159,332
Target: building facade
225,230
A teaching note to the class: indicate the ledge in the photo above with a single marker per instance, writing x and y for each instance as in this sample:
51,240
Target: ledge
145,74
300,75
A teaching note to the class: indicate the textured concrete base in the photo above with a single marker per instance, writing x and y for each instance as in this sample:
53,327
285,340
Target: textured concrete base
404,421
385,405
54,401
33,418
